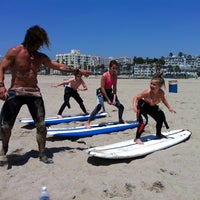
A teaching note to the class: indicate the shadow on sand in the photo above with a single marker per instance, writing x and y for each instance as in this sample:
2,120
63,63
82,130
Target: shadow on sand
106,162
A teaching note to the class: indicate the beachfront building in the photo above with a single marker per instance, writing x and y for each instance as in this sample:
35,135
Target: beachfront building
175,61
172,64
124,60
77,60
96,64
143,70
187,63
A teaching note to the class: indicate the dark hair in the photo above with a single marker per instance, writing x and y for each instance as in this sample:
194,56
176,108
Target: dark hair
158,76
36,34
76,72
113,62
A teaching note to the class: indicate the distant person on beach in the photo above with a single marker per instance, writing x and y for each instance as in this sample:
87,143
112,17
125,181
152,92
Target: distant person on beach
71,90
24,61
108,92
146,103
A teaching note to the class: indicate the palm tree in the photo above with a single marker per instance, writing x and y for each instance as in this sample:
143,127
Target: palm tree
180,54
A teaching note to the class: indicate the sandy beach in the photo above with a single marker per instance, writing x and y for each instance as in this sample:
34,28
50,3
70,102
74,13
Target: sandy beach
173,173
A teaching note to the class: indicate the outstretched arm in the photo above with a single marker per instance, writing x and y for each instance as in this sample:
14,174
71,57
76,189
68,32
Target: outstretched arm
85,73
59,84
63,68
62,83
164,100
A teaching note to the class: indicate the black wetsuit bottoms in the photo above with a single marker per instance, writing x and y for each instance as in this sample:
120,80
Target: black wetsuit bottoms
143,110
101,100
13,104
69,92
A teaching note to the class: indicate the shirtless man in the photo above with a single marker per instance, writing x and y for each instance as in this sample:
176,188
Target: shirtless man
147,103
24,61
71,90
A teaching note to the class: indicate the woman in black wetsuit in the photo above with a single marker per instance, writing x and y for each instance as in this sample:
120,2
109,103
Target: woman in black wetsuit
146,103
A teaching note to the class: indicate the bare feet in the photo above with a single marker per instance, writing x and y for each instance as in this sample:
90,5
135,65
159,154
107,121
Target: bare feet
138,141
87,125
59,116
3,157
45,159
3,160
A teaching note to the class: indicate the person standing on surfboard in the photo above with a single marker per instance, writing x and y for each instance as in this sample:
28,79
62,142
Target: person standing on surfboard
71,90
24,61
108,92
146,103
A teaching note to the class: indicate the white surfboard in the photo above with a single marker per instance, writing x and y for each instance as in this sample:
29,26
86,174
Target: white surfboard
129,149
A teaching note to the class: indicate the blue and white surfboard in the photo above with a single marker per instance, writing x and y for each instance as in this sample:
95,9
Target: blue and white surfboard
65,119
96,129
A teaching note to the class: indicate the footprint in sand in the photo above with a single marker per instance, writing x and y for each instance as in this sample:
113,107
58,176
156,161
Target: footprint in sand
124,192
156,186
171,172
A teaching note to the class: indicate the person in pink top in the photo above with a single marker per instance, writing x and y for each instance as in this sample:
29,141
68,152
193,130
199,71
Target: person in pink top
108,92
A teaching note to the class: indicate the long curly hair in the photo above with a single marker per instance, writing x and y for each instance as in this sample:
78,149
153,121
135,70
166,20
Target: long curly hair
36,34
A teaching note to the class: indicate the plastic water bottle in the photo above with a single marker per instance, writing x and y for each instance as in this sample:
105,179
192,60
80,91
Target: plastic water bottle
44,195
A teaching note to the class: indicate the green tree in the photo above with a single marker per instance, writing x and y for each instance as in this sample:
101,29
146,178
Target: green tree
138,60
180,54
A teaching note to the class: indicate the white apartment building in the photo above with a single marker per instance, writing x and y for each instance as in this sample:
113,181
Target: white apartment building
77,60
124,60
186,63
84,61
143,70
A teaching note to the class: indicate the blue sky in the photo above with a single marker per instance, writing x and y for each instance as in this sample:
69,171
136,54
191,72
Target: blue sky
107,28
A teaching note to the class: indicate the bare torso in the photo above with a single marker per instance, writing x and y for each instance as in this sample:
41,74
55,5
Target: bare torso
75,83
153,98
24,66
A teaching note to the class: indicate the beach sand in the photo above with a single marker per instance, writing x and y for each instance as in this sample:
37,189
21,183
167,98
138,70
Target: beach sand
173,173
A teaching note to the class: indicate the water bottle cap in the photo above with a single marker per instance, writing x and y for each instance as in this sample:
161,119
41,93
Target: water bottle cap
44,188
